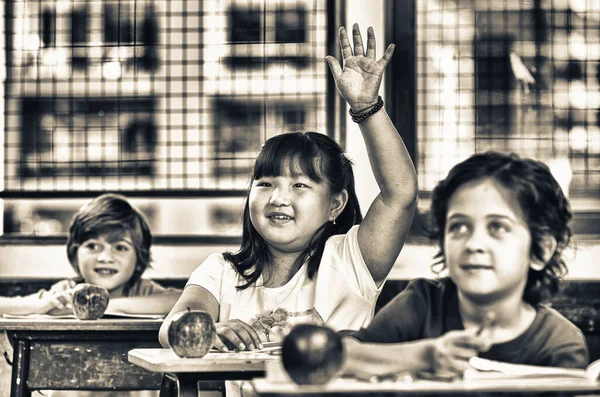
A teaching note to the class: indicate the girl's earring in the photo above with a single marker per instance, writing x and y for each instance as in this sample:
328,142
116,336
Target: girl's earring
537,265
333,221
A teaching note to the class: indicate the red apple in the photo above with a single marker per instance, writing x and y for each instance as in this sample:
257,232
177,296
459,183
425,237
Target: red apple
191,333
312,354
90,301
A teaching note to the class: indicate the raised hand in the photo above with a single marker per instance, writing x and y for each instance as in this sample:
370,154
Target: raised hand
359,80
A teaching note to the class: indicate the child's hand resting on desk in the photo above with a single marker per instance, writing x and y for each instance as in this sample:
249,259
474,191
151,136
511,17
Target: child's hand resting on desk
452,351
235,334
61,294
48,302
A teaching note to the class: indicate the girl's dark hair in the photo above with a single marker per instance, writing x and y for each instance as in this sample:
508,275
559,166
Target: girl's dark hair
318,157
540,198
113,214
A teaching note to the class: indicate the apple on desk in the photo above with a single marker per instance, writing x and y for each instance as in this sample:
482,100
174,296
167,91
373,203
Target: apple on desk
191,333
89,301
312,354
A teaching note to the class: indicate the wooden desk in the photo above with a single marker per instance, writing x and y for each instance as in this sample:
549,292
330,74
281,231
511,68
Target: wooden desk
73,354
187,372
351,387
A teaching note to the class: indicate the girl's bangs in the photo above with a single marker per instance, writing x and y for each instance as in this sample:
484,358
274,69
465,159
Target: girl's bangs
296,158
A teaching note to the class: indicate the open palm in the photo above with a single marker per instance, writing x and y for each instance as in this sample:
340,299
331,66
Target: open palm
358,82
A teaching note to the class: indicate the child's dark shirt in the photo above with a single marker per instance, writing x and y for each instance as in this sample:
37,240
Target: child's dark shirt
429,308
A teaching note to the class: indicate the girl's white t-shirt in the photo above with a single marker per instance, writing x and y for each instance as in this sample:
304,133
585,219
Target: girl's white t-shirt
342,295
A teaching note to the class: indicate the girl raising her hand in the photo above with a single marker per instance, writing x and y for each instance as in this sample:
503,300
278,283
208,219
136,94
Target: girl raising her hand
307,255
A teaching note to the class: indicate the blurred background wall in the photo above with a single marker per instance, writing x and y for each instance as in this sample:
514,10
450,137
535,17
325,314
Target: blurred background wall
168,103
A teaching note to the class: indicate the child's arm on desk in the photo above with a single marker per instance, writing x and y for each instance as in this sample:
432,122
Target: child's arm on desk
446,354
151,304
366,359
39,303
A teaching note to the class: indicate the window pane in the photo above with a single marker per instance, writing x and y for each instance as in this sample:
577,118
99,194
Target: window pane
535,75
155,96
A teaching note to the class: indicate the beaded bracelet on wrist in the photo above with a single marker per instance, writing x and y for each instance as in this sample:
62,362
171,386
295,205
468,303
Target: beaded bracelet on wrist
359,117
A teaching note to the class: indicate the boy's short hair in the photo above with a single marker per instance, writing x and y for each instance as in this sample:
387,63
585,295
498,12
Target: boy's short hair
110,213
541,200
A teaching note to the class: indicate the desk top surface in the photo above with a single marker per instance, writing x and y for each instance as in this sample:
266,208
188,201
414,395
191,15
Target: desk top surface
72,324
165,360
264,386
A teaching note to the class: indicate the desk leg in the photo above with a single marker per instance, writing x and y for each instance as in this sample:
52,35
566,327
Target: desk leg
168,386
20,370
179,385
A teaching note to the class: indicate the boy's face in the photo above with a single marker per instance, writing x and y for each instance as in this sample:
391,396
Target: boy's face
486,242
107,260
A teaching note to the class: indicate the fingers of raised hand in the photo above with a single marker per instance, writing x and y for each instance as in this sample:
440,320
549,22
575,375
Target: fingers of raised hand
344,43
370,43
334,66
387,55
357,39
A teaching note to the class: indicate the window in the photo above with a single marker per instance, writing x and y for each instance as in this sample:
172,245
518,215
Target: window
509,76
245,25
290,25
277,33
165,101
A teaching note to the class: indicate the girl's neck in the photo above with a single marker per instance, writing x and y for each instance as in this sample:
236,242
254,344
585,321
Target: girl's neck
512,316
282,270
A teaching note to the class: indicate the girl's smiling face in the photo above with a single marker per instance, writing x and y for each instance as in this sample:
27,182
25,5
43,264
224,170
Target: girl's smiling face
287,210
108,261
487,242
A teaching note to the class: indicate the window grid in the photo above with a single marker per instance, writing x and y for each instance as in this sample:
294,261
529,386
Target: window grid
513,77
147,95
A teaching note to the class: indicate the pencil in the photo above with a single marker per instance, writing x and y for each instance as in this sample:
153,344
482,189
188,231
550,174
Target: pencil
487,322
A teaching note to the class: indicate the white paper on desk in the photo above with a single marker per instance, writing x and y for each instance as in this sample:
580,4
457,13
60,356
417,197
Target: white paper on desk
268,348
129,315
39,316
490,369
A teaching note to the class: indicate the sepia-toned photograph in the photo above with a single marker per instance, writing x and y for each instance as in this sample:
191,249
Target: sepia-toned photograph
283,198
